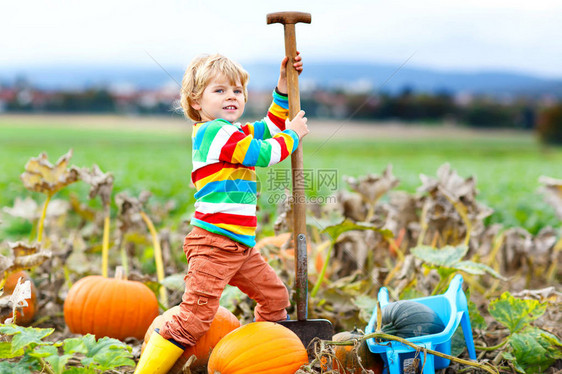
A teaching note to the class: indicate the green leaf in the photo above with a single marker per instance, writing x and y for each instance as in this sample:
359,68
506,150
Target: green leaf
113,358
533,353
106,353
26,365
80,370
410,293
547,340
51,354
553,341
511,358
74,345
447,256
58,363
15,368
174,282
230,297
458,343
6,351
445,272
44,351
477,269
476,320
93,347
24,336
515,313
366,306
334,231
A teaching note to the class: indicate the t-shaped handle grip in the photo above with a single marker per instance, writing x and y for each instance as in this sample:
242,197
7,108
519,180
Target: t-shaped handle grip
288,17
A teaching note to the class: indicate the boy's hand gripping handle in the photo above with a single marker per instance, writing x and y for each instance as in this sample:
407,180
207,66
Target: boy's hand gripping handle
289,19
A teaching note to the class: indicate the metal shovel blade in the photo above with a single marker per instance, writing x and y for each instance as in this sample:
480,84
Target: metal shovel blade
306,329
309,329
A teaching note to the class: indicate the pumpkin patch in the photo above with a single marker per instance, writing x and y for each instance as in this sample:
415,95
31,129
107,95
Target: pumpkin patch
367,237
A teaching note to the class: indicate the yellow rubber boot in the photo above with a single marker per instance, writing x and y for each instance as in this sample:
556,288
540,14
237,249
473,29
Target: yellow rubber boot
159,356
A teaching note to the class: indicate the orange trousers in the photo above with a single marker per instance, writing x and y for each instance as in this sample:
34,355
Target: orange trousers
215,261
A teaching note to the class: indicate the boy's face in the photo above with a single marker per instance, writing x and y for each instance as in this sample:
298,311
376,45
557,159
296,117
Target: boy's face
221,99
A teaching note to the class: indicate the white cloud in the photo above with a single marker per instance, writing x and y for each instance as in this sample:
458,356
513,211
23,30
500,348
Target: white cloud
496,34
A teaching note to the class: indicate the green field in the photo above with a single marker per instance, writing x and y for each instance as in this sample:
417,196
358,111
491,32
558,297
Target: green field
507,166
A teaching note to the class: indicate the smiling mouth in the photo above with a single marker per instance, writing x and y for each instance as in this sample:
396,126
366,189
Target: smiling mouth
230,107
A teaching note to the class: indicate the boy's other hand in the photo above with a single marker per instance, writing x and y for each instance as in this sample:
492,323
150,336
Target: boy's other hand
282,82
298,124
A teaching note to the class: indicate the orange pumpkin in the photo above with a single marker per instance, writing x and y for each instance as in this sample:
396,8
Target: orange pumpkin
223,323
113,307
258,348
348,357
24,315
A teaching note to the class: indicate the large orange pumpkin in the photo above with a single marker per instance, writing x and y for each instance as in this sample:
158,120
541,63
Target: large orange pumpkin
25,315
223,323
347,356
113,307
258,348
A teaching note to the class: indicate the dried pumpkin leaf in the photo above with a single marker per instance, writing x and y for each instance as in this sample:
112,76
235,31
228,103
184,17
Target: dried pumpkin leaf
352,205
548,294
130,209
21,293
450,211
25,256
5,264
29,209
23,208
450,182
42,176
373,187
100,184
552,190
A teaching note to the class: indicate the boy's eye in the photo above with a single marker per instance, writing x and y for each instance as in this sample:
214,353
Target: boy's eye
219,90
238,91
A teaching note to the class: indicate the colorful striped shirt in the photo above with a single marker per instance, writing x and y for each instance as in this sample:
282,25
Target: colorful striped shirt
224,160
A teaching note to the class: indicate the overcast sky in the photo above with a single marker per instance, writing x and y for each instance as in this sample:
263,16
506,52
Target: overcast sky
469,35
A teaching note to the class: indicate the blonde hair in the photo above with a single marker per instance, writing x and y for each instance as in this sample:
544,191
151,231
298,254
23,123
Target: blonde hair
200,72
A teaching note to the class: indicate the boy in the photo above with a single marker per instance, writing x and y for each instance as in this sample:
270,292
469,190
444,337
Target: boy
219,249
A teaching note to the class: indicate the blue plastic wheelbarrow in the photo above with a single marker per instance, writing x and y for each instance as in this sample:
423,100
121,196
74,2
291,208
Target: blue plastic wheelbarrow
451,307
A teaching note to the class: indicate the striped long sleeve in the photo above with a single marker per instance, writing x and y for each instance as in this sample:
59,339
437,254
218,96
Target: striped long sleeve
224,160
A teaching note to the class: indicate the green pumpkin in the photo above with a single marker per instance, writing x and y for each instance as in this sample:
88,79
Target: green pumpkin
408,319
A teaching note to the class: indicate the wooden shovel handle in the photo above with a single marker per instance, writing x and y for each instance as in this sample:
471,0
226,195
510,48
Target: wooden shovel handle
288,19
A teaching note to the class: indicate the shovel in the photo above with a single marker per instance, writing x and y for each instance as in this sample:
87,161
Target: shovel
306,329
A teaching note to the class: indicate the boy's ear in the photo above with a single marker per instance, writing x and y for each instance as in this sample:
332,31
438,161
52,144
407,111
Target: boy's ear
195,104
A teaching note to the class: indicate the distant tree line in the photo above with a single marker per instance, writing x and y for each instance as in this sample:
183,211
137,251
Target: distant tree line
477,111
406,106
